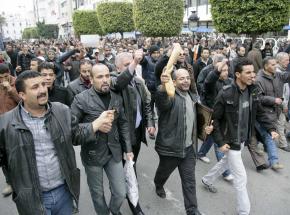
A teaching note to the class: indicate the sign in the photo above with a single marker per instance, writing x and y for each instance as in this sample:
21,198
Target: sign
90,40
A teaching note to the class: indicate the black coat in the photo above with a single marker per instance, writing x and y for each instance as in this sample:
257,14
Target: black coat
75,87
171,136
59,94
86,107
18,155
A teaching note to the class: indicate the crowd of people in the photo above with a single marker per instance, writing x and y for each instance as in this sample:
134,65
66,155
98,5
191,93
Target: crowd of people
109,98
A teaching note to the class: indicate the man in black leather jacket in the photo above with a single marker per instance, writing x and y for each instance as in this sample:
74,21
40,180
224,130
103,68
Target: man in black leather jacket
176,136
36,147
100,113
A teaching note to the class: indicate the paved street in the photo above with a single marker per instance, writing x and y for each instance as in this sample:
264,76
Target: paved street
269,191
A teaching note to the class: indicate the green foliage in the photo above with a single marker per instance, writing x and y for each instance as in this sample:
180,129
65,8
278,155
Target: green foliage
158,18
86,22
30,33
249,16
116,16
47,31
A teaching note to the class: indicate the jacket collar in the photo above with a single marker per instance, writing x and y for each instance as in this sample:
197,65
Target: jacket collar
113,102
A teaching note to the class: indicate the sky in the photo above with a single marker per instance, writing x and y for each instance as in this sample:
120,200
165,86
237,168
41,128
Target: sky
9,6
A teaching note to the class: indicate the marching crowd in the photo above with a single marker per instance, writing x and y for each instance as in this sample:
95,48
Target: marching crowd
58,94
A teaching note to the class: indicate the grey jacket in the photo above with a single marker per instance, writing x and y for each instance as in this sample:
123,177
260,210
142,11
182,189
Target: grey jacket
86,107
75,87
18,155
271,88
171,137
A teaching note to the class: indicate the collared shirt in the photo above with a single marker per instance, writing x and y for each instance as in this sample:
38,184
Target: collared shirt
138,104
47,161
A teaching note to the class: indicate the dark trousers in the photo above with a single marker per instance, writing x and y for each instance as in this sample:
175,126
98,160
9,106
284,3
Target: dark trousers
136,149
257,158
186,168
5,174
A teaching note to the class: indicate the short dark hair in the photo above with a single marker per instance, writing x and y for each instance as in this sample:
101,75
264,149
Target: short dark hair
204,48
266,61
240,46
28,74
46,65
243,61
4,68
85,61
39,61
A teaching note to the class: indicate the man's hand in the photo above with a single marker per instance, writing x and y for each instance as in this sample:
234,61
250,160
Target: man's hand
208,129
151,130
138,56
18,69
224,148
285,110
129,156
274,135
104,122
278,101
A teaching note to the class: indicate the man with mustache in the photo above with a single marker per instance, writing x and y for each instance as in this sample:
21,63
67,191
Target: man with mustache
176,136
37,138
108,138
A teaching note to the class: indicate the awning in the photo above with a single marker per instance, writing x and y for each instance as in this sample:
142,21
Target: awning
186,31
202,29
286,27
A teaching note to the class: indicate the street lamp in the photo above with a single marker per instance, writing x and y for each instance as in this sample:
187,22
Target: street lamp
193,22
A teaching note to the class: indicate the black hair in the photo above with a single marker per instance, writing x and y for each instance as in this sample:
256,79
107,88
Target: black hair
240,46
204,48
28,74
46,65
84,61
243,61
39,61
4,68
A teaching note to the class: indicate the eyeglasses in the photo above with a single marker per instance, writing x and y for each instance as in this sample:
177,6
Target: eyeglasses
182,54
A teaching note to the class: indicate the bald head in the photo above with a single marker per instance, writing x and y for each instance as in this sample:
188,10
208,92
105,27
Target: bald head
100,78
122,61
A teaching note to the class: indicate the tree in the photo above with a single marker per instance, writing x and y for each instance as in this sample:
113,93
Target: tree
116,17
86,22
47,31
252,17
158,18
30,33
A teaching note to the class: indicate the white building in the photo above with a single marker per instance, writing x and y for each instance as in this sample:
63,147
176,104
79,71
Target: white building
17,21
46,10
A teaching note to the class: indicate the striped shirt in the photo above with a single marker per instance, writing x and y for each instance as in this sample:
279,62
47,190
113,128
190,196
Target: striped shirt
48,166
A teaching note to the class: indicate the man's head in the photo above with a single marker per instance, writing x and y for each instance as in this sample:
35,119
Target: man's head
122,61
85,69
108,51
32,89
100,78
244,70
181,80
218,58
224,73
25,48
4,73
241,51
270,64
181,57
46,69
9,48
34,64
205,53
51,54
283,59
154,52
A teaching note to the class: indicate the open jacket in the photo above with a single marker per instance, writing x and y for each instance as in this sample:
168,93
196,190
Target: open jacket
88,106
121,83
226,115
17,154
171,136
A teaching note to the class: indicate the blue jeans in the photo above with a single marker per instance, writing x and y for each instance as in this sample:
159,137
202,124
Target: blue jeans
204,149
58,201
115,175
270,144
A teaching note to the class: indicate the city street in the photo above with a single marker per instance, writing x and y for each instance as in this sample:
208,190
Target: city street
269,191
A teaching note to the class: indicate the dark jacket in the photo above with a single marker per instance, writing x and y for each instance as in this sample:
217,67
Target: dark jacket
13,57
226,118
18,155
211,87
75,87
271,88
201,78
171,136
148,72
59,94
199,65
130,102
24,61
162,62
87,106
